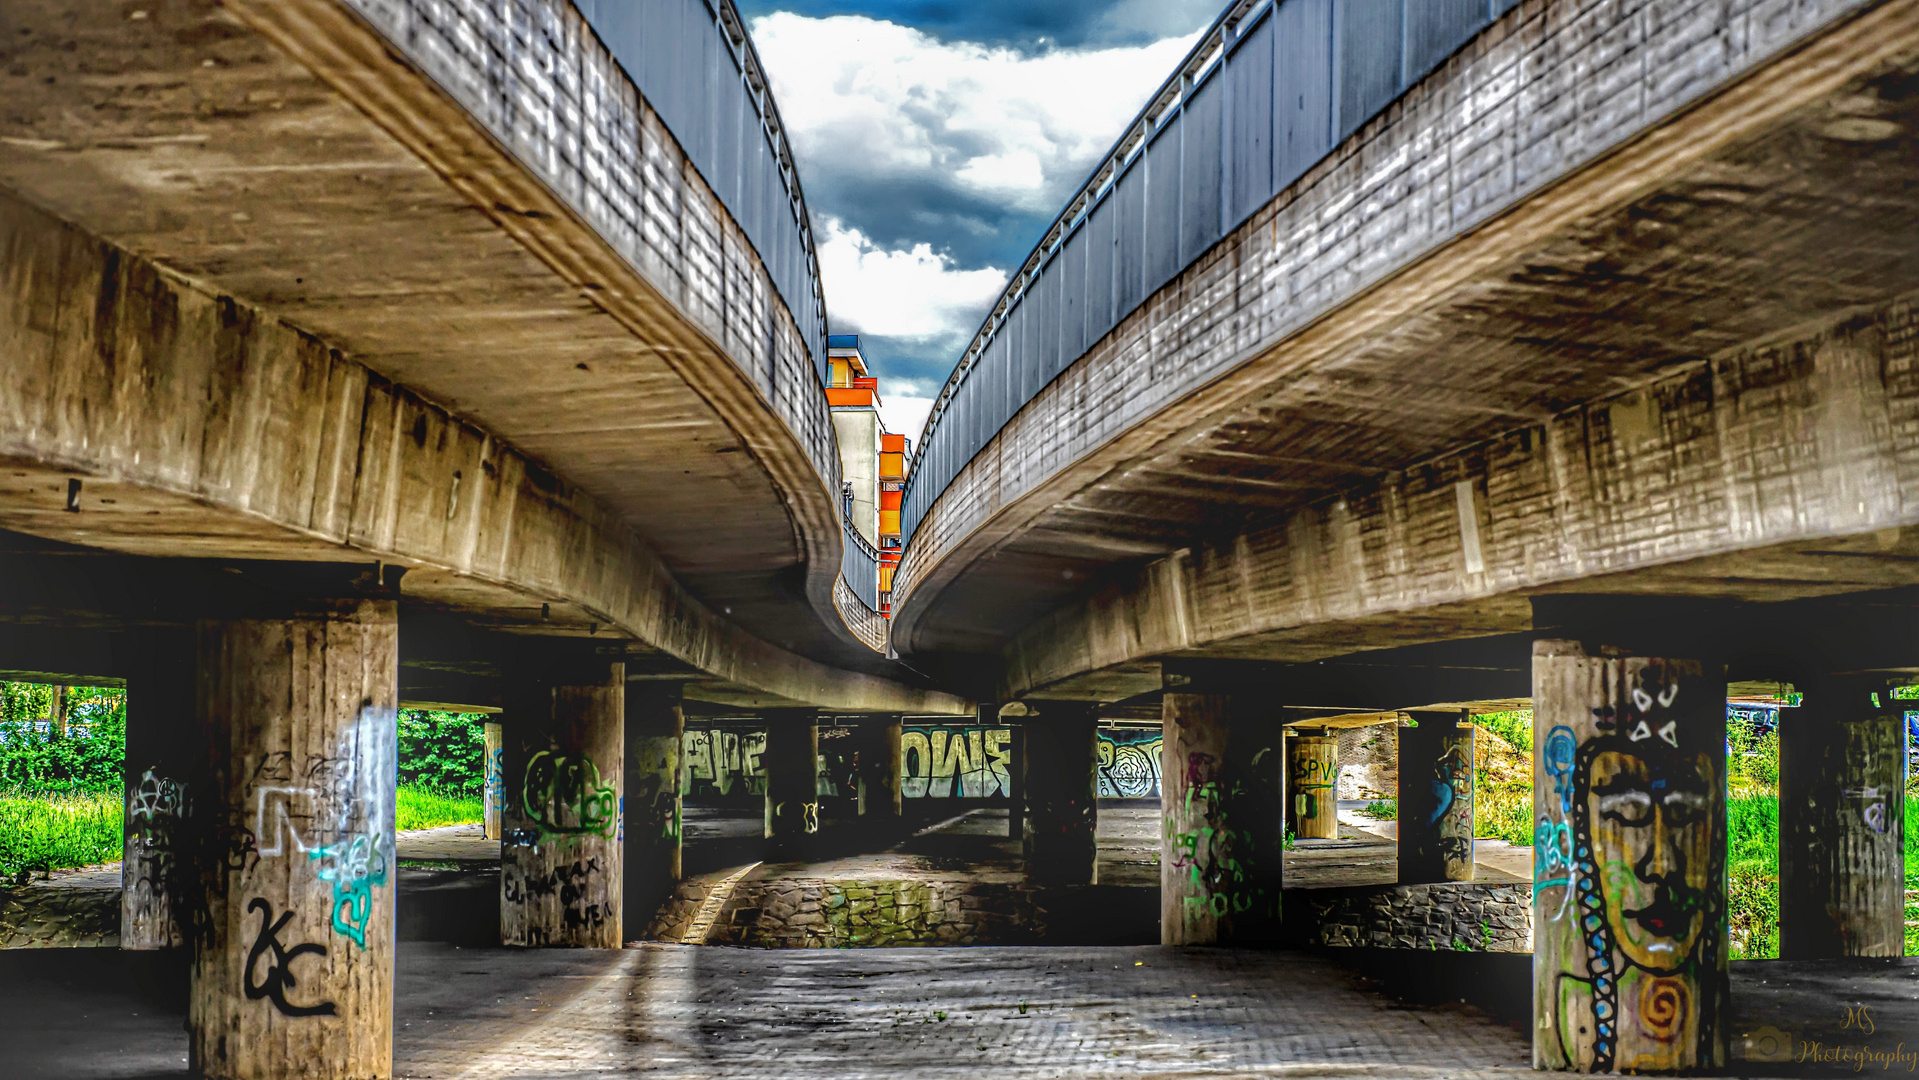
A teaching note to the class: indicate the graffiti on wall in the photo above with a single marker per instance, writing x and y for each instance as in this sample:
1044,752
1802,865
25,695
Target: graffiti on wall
715,761
956,762
1630,874
1129,763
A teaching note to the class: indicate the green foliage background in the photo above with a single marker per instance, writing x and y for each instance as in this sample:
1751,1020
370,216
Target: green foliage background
45,761
443,751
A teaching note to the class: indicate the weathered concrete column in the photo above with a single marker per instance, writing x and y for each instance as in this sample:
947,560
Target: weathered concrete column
1222,829
792,763
561,870
292,972
495,775
1435,799
880,768
655,726
1062,794
1629,737
1842,776
1312,786
1016,800
165,747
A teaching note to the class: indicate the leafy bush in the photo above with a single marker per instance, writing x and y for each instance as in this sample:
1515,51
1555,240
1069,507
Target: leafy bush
1504,811
1752,758
443,751
1752,875
1380,809
1514,728
36,757
57,831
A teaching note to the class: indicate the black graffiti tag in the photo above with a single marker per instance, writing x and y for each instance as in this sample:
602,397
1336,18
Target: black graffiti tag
279,974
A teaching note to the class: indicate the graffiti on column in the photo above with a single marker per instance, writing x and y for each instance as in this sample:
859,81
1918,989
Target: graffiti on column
957,762
496,779
155,808
273,982
655,794
1129,763
563,795
335,810
1629,838
719,762
1453,814
1206,854
571,885
1311,783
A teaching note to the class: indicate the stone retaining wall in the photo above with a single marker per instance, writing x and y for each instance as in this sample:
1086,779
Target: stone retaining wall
1460,916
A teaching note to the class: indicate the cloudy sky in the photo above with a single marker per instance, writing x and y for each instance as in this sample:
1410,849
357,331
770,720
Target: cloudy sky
938,138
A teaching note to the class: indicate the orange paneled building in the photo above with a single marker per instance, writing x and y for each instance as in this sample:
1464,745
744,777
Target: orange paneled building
872,460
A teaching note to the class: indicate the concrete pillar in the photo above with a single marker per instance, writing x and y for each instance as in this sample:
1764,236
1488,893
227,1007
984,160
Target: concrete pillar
561,870
880,769
655,727
1062,794
165,745
1312,786
1436,799
1629,737
792,779
1842,779
495,774
1016,801
293,969
1222,836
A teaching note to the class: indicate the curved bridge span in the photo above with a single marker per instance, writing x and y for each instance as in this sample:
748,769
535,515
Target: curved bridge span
1383,319
522,299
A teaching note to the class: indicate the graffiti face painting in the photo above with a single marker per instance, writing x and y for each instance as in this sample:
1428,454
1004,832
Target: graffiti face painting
1630,864
1654,820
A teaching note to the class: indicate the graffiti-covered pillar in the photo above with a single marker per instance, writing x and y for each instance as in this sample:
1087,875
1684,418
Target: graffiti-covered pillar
1222,828
655,730
164,746
1629,865
792,768
1062,794
1436,799
1312,786
292,969
494,788
1842,773
1016,785
561,867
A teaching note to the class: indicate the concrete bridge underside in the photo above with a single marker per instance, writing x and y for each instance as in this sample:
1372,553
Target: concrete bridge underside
436,287
1614,301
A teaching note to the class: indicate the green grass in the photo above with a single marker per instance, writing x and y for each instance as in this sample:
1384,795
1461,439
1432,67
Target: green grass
1380,809
423,807
54,832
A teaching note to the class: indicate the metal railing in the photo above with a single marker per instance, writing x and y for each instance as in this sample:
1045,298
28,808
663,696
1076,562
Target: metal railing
1269,90
860,566
696,66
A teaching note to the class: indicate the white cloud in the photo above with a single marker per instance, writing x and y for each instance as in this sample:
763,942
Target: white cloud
907,294
889,100
904,414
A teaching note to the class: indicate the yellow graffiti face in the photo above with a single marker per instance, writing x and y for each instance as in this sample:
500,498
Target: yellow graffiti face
1652,833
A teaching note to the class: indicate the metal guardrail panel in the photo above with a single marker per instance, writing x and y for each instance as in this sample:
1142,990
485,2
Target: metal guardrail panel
1269,90
695,65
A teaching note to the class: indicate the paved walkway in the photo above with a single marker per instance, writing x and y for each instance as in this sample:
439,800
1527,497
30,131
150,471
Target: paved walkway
673,1012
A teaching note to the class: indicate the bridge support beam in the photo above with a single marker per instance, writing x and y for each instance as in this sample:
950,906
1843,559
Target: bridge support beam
1842,772
792,763
1629,737
1436,799
655,726
1222,833
560,858
1062,790
164,744
1016,798
293,966
1312,786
